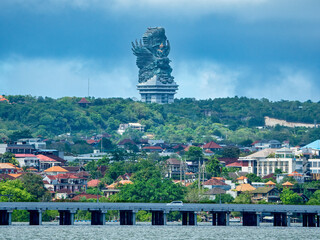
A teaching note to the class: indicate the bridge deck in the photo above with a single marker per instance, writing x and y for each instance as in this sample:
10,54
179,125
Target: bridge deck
159,207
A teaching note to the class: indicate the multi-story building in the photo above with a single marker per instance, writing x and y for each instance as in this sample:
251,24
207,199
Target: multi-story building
267,161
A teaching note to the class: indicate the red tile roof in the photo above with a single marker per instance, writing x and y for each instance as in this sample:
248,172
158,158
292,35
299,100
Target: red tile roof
83,100
24,155
86,195
235,164
211,145
153,148
93,183
214,182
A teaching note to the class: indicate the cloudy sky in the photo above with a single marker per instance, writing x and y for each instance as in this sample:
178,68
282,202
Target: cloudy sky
219,48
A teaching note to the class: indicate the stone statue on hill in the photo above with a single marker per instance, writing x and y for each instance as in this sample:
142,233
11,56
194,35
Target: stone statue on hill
152,56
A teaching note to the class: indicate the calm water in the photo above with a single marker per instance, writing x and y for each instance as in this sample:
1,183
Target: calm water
146,231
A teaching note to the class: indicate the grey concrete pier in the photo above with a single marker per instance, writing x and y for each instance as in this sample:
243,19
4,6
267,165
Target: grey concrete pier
220,212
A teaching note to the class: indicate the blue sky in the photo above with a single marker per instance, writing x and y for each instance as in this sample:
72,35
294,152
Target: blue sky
219,48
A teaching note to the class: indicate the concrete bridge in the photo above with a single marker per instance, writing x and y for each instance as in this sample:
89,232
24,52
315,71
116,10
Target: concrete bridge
251,213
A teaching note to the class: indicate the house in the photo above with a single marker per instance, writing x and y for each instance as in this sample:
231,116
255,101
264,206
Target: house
84,102
46,162
269,194
215,183
5,177
21,148
258,184
212,146
37,143
79,197
287,185
7,168
28,160
136,126
153,149
246,187
55,170
174,167
125,143
235,165
213,192
297,176
93,183
65,183
242,180
270,184
125,176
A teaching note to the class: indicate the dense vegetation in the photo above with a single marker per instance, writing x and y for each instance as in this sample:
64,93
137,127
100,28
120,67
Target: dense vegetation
233,119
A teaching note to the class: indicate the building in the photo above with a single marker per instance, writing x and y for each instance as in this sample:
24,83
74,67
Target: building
55,170
175,167
268,160
154,91
215,183
65,183
212,146
28,160
36,142
213,192
269,194
8,168
135,126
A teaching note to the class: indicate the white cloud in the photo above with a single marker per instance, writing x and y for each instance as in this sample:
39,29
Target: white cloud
245,9
288,84
201,80
204,80
57,78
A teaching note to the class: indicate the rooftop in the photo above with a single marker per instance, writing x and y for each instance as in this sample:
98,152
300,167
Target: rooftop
56,169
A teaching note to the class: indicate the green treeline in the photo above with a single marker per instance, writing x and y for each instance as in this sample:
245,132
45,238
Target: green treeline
233,119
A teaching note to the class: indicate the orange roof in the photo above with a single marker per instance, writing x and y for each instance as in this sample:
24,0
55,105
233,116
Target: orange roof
242,178
270,183
93,183
246,187
45,158
15,175
295,174
3,99
211,145
122,182
56,169
7,166
287,184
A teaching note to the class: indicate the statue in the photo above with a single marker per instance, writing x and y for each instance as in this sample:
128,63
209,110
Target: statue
152,56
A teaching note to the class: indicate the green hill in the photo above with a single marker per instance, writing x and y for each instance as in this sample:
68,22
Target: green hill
233,119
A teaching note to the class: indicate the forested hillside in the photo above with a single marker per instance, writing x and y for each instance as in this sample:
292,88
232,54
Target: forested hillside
233,119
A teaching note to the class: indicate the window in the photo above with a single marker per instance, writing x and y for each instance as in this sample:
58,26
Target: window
314,164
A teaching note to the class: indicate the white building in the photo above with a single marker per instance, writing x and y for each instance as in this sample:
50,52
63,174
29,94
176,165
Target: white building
314,165
136,126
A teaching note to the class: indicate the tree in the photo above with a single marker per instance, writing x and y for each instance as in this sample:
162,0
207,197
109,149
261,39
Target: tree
224,198
194,153
243,198
16,135
34,185
253,178
231,152
194,195
150,189
16,189
9,157
213,167
289,197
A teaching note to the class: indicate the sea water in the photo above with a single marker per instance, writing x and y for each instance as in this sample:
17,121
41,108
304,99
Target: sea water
147,231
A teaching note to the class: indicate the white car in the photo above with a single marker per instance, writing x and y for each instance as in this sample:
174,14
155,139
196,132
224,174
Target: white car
175,203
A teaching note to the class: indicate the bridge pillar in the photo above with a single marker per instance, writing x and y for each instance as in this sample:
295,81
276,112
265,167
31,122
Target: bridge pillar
35,217
222,218
318,223
98,217
66,217
189,218
250,219
5,217
280,219
127,217
159,218
214,218
309,220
